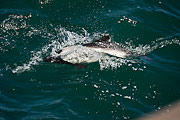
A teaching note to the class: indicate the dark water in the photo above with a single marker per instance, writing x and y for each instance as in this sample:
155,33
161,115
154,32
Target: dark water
112,88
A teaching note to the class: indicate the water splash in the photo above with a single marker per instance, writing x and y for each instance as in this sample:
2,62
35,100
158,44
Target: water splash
148,48
66,38
132,22
106,62
114,62
11,27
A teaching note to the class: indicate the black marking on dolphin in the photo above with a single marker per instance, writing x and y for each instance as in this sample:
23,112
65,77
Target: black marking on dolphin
99,42
104,45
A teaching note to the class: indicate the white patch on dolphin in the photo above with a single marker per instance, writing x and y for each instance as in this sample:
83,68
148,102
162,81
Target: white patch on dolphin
80,54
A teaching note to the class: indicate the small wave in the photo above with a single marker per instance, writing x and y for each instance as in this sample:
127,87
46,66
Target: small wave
148,48
141,50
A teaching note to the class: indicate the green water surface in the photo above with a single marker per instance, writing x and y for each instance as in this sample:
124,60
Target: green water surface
33,90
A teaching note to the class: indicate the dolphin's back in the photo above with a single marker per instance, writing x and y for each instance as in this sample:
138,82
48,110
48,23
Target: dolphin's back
103,45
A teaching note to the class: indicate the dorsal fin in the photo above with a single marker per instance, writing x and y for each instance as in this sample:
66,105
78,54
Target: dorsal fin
104,39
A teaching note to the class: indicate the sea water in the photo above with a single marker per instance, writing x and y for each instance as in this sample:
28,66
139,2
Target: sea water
111,88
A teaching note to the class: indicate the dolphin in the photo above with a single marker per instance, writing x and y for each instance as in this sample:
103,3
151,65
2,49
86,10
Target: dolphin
88,53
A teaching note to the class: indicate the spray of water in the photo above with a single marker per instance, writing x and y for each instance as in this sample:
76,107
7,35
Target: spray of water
67,38
64,38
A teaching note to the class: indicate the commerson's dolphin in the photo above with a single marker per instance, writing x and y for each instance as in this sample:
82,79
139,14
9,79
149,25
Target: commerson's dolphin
88,53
